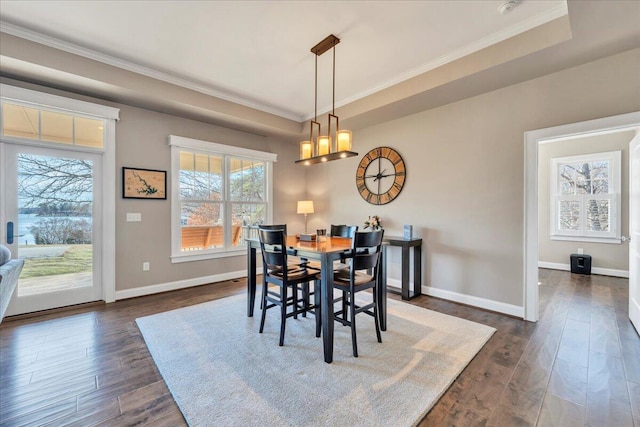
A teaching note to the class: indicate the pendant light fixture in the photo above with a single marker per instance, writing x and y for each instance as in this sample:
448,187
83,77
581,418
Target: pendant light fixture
322,148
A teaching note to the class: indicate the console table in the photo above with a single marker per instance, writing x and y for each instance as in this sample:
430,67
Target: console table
406,244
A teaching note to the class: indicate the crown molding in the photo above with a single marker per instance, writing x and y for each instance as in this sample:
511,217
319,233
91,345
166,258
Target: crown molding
15,30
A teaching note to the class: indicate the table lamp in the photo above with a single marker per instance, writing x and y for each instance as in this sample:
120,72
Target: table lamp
305,207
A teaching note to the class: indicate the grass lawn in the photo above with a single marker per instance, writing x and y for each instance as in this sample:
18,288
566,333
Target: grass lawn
77,259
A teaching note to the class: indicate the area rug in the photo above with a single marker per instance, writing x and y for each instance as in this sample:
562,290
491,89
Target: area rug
222,372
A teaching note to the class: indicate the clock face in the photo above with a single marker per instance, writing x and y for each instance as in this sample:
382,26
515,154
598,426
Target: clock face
380,175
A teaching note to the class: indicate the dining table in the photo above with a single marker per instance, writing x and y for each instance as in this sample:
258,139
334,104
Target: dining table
326,252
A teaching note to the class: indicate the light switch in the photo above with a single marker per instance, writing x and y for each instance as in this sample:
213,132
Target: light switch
132,217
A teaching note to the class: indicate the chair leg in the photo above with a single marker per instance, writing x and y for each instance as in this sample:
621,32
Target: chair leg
263,306
376,315
318,312
305,297
354,340
344,305
283,313
294,290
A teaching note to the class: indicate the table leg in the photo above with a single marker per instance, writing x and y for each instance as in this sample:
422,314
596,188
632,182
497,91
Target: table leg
326,307
417,270
382,290
405,272
251,279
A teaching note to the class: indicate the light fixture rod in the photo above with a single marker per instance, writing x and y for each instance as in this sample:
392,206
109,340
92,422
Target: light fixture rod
333,101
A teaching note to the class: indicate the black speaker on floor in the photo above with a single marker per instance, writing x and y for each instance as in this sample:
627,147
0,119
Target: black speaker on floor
580,264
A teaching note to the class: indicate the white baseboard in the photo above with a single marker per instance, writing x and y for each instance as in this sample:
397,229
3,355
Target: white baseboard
487,304
180,284
594,270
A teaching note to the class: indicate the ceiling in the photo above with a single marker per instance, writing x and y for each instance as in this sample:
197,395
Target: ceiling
247,65
257,53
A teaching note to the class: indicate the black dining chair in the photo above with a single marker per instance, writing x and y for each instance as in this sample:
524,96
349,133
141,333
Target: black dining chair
343,230
276,270
362,274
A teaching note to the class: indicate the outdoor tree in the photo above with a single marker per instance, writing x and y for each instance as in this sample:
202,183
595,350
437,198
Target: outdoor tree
60,190
55,185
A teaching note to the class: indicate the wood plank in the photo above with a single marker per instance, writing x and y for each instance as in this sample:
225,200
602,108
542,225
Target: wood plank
518,379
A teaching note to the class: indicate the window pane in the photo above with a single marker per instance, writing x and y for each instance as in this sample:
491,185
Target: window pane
202,226
247,215
57,127
600,186
206,213
569,215
567,180
89,132
247,180
201,178
187,175
216,178
20,121
582,178
598,215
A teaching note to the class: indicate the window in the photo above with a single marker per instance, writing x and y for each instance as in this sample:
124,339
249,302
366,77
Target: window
33,123
585,197
217,192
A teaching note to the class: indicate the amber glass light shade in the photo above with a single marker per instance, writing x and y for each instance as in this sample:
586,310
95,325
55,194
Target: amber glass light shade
324,145
344,140
306,149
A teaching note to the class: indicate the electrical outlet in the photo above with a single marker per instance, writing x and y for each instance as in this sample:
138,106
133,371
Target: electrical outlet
580,251
145,266
134,217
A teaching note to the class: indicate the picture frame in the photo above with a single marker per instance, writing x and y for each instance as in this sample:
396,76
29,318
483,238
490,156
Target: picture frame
144,184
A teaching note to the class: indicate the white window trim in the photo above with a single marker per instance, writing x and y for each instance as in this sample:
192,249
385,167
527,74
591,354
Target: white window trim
177,142
615,181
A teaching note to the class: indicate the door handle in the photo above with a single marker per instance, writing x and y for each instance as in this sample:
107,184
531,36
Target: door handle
626,239
10,234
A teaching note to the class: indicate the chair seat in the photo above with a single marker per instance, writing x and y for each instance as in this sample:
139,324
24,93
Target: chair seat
341,276
294,272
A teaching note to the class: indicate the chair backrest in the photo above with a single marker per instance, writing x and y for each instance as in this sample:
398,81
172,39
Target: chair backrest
275,227
273,248
343,230
366,248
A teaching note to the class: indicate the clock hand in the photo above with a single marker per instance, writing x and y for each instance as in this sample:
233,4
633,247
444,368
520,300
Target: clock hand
376,176
383,176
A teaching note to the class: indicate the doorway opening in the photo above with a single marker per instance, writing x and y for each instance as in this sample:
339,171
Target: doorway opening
533,140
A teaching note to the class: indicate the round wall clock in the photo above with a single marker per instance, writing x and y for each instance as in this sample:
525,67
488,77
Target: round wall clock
380,175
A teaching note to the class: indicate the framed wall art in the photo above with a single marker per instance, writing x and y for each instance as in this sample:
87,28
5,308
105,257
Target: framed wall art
144,184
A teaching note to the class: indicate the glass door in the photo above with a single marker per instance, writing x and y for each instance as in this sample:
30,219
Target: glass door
52,221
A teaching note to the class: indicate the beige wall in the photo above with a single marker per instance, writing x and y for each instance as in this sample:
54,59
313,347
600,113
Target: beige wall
142,141
465,169
611,256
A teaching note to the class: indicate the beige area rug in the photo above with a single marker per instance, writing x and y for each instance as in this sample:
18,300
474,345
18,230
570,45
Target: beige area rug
222,372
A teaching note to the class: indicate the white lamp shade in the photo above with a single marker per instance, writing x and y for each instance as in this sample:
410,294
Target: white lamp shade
305,206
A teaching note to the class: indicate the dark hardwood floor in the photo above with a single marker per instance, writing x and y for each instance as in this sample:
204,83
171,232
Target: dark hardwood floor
579,365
